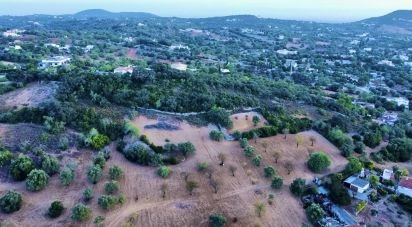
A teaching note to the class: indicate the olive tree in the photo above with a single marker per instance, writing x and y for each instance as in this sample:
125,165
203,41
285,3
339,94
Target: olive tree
115,172
21,167
94,173
318,162
81,212
10,202
56,209
37,180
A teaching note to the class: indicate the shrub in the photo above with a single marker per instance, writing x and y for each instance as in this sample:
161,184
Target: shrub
142,155
216,135
55,209
53,126
115,172
360,206
318,162
219,116
95,140
202,166
186,149
100,160
256,161
315,213
398,150
81,212
129,128
107,202
243,142
21,167
297,187
111,187
269,171
94,173
249,151
88,194
67,176
354,166
217,220
277,182
164,171
63,143
50,165
37,180
5,157
405,202
10,202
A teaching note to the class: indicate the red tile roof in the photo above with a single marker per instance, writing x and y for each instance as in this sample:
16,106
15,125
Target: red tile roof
406,183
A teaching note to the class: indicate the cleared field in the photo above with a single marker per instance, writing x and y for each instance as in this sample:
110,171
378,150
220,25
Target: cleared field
243,121
30,96
145,206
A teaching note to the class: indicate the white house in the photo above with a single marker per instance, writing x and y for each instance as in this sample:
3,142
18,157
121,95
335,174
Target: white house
124,70
405,187
356,184
387,174
54,62
286,52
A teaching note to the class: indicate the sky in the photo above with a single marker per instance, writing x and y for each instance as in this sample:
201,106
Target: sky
315,10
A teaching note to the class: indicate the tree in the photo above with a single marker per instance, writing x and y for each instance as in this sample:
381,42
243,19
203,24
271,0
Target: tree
255,120
56,209
88,194
81,212
67,176
222,158
289,166
318,162
163,189
202,166
219,116
299,140
216,135
164,171
191,186
315,213
100,160
111,187
249,151
5,156
115,172
265,146
312,140
186,149
10,202
269,171
37,180
354,166
21,167
216,183
243,142
107,202
50,165
53,126
260,209
277,182
232,169
256,161
217,220
94,173
298,186
276,156
374,180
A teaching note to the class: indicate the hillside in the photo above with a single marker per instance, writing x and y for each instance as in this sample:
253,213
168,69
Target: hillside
399,21
100,13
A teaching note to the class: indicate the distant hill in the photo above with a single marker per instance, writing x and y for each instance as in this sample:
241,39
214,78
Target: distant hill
104,14
399,21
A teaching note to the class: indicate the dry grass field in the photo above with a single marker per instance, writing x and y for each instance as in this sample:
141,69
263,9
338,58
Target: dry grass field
145,206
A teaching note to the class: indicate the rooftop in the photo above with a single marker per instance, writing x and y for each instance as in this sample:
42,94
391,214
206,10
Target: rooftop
406,183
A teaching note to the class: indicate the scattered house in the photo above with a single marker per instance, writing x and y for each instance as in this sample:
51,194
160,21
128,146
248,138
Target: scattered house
367,49
399,101
405,187
387,174
286,52
13,33
88,48
179,47
356,184
386,62
123,70
178,66
225,71
54,62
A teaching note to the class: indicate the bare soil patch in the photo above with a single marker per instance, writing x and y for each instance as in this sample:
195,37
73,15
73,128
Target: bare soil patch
243,121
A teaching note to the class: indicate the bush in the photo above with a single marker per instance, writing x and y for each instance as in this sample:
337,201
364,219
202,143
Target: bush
67,176
107,202
277,182
37,180
115,172
63,143
186,149
318,162
100,160
243,142
50,165
398,150
142,155
55,209
297,187
111,187
405,202
249,151
269,171
21,167
5,157
256,161
95,140
219,116
315,213
88,194
164,171
202,166
216,135
10,202
80,212
217,220
94,173
354,166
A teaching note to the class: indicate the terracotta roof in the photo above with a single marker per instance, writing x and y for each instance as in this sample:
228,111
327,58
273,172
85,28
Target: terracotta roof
406,183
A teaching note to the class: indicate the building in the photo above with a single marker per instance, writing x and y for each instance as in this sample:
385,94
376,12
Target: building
124,70
286,52
54,62
405,187
178,66
356,184
387,174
